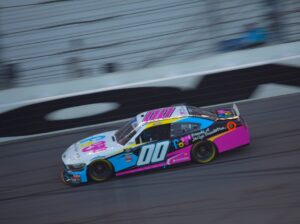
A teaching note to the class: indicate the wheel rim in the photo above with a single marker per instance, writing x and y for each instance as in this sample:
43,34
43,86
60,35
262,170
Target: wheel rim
100,171
204,153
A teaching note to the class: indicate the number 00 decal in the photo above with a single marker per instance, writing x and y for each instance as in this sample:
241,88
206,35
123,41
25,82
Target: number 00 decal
153,153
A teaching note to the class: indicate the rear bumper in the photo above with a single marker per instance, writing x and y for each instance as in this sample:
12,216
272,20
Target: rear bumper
74,178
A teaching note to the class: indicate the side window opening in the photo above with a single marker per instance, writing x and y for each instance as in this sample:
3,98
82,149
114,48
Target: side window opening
156,133
179,129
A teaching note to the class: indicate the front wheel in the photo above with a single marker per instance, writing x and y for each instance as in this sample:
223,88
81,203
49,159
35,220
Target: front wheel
203,152
100,170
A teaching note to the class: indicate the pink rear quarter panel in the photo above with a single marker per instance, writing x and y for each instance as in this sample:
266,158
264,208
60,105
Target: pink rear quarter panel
233,139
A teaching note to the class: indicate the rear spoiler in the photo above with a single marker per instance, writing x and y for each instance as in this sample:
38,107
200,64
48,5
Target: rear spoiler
228,113
236,110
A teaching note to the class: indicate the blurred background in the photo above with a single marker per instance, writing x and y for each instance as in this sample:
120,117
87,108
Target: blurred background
57,40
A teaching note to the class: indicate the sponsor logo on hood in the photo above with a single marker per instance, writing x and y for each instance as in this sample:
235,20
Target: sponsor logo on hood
96,147
94,143
103,142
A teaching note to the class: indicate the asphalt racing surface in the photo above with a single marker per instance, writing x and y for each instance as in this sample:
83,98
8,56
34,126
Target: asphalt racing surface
257,184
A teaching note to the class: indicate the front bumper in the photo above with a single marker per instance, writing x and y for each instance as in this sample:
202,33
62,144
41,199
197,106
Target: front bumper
73,178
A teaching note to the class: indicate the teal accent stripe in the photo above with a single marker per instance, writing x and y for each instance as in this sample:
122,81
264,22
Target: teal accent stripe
204,123
120,162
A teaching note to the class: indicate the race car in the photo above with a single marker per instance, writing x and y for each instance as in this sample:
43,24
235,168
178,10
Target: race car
156,139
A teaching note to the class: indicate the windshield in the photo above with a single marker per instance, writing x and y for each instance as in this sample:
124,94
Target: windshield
125,133
196,111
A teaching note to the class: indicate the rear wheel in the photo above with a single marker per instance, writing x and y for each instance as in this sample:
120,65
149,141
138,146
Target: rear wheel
203,152
100,170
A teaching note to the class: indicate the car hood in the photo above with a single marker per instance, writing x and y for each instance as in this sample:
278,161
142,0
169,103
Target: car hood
91,148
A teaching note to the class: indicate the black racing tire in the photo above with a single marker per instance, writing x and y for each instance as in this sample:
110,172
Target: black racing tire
203,152
62,177
100,170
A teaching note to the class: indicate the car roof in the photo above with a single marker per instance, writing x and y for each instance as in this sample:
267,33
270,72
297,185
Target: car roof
162,114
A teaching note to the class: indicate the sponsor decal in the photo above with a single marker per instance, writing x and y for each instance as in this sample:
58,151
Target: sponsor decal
90,140
182,142
93,138
96,147
128,158
224,113
231,125
206,132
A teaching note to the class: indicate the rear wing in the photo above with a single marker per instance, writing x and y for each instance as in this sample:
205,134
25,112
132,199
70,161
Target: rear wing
236,110
228,113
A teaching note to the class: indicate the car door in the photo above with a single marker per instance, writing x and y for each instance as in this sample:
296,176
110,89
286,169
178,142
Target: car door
155,143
